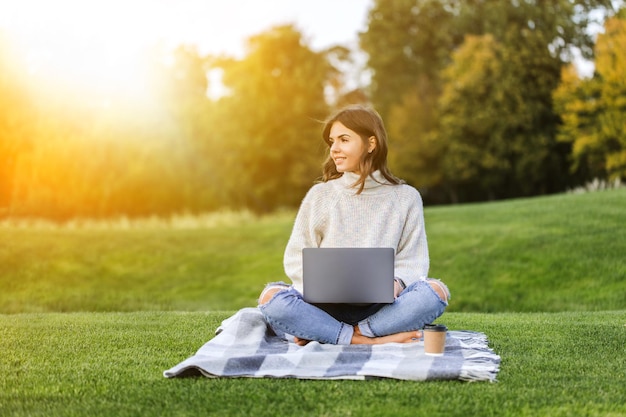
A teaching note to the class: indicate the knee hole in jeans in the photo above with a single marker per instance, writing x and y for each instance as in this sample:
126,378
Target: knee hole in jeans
269,292
439,289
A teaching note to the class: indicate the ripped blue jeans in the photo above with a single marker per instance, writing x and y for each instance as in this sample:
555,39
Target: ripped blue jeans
288,314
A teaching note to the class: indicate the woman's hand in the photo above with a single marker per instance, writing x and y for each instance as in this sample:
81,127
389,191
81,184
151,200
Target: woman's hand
397,288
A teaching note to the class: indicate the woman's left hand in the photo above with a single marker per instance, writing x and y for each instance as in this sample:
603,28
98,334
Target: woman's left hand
397,288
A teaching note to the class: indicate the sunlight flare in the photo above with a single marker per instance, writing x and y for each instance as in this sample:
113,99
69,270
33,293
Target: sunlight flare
89,47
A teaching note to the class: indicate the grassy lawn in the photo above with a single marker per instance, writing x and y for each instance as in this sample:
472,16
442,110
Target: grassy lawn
130,269
91,316
111,364
558,253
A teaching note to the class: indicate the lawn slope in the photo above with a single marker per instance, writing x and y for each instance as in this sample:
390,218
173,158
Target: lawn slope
90,317
557,253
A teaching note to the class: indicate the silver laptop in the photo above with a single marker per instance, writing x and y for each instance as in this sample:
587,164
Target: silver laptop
348,275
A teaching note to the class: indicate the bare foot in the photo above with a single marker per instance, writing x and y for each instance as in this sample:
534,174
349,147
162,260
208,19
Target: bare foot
403,337
359,339
300,342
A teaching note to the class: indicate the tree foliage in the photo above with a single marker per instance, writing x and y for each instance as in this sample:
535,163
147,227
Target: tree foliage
273,151
65,153
593,111
466,89
408,44
416,84
473,137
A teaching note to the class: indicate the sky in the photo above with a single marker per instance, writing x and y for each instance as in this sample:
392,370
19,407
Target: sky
214,26
97,42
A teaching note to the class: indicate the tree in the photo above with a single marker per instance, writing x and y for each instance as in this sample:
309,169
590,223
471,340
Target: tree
415,153
593,111
410,42
272,148
611,69
472,135
183,86
175,149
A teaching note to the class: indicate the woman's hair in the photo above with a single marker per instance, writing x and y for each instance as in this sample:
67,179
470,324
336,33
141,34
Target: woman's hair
366,122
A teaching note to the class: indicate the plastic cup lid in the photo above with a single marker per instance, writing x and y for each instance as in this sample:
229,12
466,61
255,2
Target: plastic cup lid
435,327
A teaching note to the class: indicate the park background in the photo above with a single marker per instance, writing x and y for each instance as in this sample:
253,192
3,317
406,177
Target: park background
146,196
482,100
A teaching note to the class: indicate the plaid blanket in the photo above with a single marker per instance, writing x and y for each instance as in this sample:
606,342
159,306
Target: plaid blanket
245,346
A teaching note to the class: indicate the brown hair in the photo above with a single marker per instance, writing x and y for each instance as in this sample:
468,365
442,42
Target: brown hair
366,122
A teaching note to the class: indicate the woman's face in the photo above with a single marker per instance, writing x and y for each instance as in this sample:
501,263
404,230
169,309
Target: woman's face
346,148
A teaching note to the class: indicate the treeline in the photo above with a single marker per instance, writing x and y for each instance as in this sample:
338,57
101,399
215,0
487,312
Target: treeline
169,148
466,88
480,99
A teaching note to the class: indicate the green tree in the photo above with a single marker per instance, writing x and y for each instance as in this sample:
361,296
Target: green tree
408,43
577,102
271,144
415,151
611,69
593,111
474,142
411,42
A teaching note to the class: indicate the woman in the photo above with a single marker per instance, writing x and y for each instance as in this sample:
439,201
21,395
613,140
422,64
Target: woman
359,203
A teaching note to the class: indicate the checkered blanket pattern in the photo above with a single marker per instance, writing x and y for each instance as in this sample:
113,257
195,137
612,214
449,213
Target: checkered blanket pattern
245,346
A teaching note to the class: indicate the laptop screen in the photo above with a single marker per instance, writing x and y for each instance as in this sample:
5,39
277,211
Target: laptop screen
348,275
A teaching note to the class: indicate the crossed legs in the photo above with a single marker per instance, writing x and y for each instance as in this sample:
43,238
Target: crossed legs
344,335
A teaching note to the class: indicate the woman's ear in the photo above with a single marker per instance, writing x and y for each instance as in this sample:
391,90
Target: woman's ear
371,144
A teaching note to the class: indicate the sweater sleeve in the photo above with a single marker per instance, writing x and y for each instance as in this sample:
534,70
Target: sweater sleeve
305,234
412,258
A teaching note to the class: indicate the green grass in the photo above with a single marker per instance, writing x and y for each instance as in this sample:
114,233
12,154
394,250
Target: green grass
563,252
91,316
111,364
129,269
558,253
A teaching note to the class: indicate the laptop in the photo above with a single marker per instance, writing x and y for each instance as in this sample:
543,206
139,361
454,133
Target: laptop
348,275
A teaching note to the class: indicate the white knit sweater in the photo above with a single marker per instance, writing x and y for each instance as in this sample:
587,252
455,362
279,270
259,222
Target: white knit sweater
383,215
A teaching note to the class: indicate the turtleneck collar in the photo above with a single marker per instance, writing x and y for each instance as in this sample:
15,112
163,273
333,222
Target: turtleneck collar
373,182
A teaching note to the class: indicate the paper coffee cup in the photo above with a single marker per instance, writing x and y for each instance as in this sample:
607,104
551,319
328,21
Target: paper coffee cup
435,339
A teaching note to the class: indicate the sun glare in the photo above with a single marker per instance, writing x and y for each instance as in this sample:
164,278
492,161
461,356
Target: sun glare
95,47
